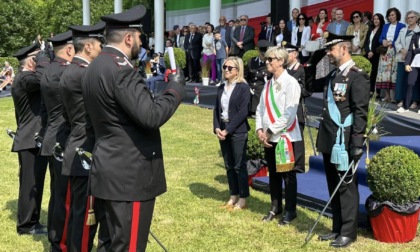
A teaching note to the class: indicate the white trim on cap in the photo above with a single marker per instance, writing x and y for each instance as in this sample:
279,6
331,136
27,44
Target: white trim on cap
334,41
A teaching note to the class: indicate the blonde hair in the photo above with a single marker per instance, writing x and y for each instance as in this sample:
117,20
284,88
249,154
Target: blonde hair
279,53
239,64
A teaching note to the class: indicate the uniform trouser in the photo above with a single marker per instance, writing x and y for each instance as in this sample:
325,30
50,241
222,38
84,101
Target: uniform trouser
345,203
413,79
79,235
60,208
276,183
299,150
128,223
32,169
234,155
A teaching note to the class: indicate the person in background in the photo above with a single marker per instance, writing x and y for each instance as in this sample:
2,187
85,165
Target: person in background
359,31
413,71
152,43
371,46
193,47
221,50
282,33
339,25
292,23
300,35
387,68
40,43
333,14
243,37
158,71
401,47
231,127
225,30
6,75
276,116
367,18
208,53
268,29
320,25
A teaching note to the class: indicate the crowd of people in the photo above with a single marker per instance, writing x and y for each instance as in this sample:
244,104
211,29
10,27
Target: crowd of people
87,94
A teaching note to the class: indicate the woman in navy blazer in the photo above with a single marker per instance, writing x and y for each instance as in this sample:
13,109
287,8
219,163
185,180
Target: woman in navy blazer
387,69
231,127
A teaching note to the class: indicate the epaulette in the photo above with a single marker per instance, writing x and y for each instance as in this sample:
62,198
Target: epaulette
121,61
356,69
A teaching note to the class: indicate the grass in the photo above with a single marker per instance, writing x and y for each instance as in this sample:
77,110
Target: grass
188,217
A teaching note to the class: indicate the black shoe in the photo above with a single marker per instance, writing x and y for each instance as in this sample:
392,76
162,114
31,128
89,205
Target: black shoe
287,218
212,83
38,230
328,237
191,81
187,79
342,242
274,211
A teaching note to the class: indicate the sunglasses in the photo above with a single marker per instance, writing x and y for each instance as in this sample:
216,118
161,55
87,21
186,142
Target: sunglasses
243,19
229,68
301,18
356,16
270,59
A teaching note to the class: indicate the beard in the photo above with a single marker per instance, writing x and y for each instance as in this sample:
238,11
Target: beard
135,51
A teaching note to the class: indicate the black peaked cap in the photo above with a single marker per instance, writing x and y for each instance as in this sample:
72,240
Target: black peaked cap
127,19
62,38
333,39
24,52
93,31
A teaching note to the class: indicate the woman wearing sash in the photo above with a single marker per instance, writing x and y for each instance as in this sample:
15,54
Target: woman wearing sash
231,127
276,124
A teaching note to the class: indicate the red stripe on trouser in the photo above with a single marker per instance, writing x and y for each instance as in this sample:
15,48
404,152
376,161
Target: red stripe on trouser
86,228
63,245
135,222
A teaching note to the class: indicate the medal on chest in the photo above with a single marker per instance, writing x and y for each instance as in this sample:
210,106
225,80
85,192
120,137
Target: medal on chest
339,92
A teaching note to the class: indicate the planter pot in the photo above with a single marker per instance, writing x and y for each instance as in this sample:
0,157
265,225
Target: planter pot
393,227
393,223
205,81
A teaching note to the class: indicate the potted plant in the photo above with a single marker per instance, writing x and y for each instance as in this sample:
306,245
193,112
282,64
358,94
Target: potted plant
256,164
393,176
249,55
205,69
180,58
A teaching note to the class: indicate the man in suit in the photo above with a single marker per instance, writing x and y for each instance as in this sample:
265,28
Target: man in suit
225,30
178,36
193,46
57,131
87,42
32,167
292,23
339,25
268,30
344,117
243,37
413,72
367,18
127,171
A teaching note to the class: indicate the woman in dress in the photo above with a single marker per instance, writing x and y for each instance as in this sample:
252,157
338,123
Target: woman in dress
387,68
231,127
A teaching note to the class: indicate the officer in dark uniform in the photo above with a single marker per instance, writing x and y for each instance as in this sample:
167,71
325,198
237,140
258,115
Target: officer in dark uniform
32,167
57,131
346,101
257,74
295,69
87,42
127,173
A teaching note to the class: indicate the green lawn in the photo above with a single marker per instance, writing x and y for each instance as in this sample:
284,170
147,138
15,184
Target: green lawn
188,217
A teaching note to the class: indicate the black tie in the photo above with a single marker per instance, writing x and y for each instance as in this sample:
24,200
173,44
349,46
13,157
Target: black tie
192,36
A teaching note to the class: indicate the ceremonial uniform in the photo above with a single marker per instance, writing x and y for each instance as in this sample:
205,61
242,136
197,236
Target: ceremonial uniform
349,88
127,171
32,167
57,131
257,77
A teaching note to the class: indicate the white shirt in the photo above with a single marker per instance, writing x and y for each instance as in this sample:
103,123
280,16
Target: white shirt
391,32
208,42
224,101
287,100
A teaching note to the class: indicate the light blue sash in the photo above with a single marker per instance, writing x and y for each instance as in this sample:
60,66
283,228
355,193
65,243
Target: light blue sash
339,155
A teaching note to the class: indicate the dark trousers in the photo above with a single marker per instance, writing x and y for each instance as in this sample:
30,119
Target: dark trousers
345,203
234,155
413,79
79,235
375,63
32,169
195,68
59,208
276,183
128,223
299,150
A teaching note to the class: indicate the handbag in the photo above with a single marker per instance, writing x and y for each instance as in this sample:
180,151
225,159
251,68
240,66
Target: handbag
312,45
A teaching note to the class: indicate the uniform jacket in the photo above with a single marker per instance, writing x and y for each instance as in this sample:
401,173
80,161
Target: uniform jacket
413,49
82,134
306,35
27,99
403,41
356,102
343,29
57,129
298,73
194,47
127,156
287,100
248,39
256,75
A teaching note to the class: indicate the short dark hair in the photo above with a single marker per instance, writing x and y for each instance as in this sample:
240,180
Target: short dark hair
117,35
368,15
212,27
397,12
304,16
381,19
216,31
358,13
80,42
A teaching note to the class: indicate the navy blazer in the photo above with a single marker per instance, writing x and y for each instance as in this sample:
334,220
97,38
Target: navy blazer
238,109
413,49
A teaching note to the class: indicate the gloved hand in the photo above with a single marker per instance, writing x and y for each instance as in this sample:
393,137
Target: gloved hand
356,153
317,57
178,77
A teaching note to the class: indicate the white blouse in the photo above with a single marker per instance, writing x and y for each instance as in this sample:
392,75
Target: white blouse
224,101
287,97
208,44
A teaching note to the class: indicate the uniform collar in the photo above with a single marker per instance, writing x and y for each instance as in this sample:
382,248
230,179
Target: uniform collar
116,49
